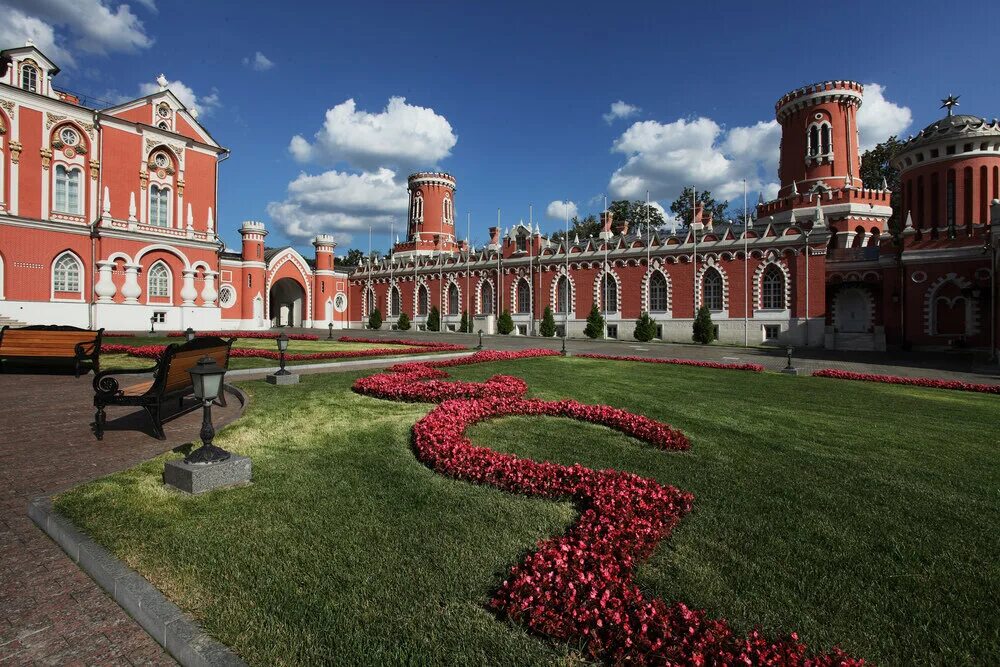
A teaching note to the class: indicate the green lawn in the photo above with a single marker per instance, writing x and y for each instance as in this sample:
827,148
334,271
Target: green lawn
294,346
854,513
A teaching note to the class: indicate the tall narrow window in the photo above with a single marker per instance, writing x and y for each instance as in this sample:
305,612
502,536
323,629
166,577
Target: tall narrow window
453,301
523,296
712,289
609,293
772,288
825,139
394,302
522,243
159,206
813,140
486,299
158,281
370,300
657,293
447,212
29,78
563,297
423,299
418,207
949,203
67,194
66,274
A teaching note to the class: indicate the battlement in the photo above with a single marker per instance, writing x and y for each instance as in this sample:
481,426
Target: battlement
817,93
431,177
809,199
324,242
253,227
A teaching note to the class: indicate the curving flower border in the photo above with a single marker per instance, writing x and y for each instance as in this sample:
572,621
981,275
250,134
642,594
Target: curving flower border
154,351
957,385
755,368
267,335
579,586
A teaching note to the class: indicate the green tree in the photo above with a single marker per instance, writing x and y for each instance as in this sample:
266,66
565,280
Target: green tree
681,207
876,166
466,325
635,213
434,319
548,327
704,330
375,320
585,228
404,322
504,323
352,258
595,323
645,328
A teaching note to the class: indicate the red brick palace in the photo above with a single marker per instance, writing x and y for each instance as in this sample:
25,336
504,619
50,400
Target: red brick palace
108,218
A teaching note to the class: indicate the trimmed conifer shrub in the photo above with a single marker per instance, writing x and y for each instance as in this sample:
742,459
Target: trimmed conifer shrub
466,325
434,319
404,322
595,323
375,319
505,324
548,327
645,328
704,330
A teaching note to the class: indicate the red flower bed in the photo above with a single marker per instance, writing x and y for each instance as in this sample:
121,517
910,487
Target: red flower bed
756,368
916,382
579,587
245,334
402,341
154,352
119,334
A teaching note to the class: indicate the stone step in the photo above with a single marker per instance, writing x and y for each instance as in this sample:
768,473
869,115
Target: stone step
855,341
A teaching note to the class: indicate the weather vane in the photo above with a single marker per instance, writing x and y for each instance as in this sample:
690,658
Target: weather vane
949,103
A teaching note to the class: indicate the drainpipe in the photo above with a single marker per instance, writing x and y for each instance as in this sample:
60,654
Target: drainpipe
92,308
221,244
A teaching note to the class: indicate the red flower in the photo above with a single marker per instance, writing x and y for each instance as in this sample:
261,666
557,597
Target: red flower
580,586
756,368
957,385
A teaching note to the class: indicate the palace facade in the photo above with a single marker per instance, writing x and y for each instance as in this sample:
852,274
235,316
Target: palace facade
108,219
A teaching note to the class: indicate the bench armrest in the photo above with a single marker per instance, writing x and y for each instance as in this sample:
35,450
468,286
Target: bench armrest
105,383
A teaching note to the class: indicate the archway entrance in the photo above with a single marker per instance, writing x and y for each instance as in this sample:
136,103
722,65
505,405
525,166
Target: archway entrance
287,302
853,310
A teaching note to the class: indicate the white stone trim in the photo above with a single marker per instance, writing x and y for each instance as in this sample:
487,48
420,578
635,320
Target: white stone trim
170,285
554,291
52,276
758,277
711,263
930,301
657,267
618,290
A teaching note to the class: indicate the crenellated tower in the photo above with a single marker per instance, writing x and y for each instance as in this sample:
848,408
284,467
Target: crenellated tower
253,233
430,226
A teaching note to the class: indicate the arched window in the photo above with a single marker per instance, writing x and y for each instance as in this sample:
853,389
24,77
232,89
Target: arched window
772,288
813,140
609,293
394,302
159,206
453,302
66,274
67,190
423,300
486,299
29,78
711,285
522,242
563,297
447,211
523,296
825,139
370,301
657,293
158,281
418,207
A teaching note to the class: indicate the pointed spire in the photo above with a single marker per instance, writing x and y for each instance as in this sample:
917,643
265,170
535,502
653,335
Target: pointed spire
190,218
162,82
576,239
820,219
211,221
792,219
909,219
106,204
131,207
795,188
885,184
760,198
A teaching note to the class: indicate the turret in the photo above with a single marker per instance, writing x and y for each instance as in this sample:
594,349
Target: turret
430,223
253,233
325,246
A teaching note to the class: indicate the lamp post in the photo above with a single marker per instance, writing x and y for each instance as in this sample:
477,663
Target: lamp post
152,318
788,351
189,334
480,346
206,377
789,369
330,325
282,347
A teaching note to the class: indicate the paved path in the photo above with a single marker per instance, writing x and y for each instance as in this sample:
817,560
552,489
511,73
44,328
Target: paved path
51,613
946,365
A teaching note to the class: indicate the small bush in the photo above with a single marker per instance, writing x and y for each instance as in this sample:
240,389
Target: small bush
434,319
505,324
645,328
595,323
704,331
375,320
466,325
404,322
548,328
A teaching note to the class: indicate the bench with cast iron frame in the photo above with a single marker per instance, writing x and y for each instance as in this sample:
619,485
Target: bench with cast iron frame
50,346
171,380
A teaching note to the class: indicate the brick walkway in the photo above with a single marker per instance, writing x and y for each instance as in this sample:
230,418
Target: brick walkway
51,613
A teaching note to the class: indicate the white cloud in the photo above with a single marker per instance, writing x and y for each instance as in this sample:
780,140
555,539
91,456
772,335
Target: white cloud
402,136
202,104
558,210
97,26
342,204
665,157
620,109
878,118
259,62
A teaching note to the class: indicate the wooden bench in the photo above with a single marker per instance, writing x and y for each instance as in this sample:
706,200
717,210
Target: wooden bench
49,345
171,380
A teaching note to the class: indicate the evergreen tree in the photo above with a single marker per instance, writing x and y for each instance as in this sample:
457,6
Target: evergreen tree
595,323
704,331
505,324
548,327
466,325
876,167
645,328
681,207
434,319
375,320
404,322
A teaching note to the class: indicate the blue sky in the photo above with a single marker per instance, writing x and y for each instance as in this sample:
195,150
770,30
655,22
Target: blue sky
515,99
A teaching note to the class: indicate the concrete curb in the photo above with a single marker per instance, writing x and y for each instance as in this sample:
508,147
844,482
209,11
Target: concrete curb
162,619
333,367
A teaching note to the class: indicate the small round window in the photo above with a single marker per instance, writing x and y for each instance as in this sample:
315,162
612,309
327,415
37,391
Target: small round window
69,136
163,110
161,161
227,296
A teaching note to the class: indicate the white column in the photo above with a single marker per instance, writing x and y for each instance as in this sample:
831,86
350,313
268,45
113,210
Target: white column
188,291
208,292
106,207
865,239
131,289
105,287
3,205
180,209
132,221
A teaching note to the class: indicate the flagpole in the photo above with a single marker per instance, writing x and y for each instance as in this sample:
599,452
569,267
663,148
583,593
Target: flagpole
604,285
372,290
531,276
468,266
566,301
746,271
499,291
694,234
391,263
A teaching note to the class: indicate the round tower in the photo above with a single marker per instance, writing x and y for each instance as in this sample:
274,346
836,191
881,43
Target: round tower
253,233
323,284
431,219
819,137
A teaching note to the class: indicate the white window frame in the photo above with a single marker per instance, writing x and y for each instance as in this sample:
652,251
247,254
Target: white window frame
68,254
772,269
70,175
150,293
704,290
666,293
161,190
31,70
